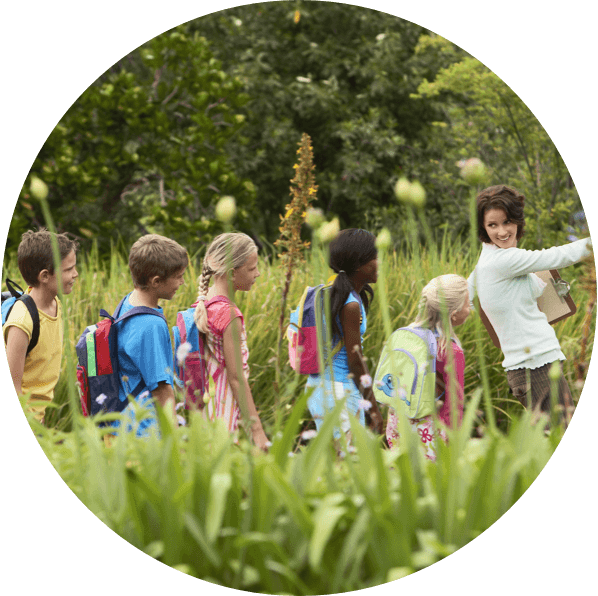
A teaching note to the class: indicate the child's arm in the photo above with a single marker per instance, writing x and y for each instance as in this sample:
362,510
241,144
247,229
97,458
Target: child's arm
350,315
458,380
17,343
164,395
238,381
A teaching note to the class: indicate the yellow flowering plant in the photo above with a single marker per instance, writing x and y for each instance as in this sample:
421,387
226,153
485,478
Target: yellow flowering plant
303,191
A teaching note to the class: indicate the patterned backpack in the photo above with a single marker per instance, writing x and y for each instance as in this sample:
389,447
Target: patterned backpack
98,377
306,332
192,370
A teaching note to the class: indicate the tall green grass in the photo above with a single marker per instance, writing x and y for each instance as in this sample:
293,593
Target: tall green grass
103,284
300,519
304,521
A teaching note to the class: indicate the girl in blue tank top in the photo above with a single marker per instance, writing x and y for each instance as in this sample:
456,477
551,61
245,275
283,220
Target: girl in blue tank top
354,258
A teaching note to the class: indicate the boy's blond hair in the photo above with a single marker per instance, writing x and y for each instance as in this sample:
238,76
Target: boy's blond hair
154,255
227,252
440,298
34,253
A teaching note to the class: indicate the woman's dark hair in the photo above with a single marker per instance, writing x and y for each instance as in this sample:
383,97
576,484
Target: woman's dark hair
503,197
350,250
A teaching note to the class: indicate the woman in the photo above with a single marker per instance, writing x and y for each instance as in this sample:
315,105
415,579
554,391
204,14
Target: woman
508,290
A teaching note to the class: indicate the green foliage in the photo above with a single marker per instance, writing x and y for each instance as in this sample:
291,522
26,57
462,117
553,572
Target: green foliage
300,522
142,149
343,75
216,106
300,519
484,118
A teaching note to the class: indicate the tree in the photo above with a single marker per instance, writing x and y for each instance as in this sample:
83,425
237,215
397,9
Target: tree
483,117
340,73
142,149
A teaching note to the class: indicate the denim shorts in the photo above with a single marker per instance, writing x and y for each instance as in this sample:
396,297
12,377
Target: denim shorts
323,400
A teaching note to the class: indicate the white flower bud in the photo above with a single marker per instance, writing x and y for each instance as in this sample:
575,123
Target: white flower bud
226,209
384,240
38,188
329,231
417,194
403,189
473,170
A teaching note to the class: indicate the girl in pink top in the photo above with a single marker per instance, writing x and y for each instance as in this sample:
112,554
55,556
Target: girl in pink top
232,261
445,294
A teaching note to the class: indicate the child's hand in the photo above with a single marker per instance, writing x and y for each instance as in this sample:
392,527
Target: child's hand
259,437
376,421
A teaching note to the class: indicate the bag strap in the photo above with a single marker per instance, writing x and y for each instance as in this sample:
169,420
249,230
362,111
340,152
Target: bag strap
319,303
18,293
14,288
28,301
429,337
136,310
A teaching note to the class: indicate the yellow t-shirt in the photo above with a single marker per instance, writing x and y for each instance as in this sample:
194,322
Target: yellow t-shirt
42,365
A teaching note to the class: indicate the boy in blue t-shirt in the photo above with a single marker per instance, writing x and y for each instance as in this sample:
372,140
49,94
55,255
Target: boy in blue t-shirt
157,266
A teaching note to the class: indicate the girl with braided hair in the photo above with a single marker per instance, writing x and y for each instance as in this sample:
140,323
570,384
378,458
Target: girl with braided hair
232,261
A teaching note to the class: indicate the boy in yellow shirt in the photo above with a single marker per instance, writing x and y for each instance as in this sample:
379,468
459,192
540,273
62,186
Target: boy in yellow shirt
36,372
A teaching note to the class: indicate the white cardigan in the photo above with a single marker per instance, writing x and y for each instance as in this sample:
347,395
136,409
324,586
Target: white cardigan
508,291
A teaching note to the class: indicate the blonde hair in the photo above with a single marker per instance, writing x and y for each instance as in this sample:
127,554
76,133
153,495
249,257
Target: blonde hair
154,255
440,298
227,252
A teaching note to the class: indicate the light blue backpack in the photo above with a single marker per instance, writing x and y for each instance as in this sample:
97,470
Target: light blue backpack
9,299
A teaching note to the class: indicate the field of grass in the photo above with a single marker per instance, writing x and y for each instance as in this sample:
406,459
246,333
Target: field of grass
102,285
301,520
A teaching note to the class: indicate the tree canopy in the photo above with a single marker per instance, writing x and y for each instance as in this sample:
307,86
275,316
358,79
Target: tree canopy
217,106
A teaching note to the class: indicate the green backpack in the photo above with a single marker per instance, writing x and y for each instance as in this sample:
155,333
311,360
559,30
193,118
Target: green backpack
407,370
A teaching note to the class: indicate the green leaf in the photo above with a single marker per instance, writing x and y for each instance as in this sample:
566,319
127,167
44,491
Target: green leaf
219,486
325,520
198,535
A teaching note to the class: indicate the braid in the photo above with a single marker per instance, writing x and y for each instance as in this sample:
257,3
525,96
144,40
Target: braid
201,315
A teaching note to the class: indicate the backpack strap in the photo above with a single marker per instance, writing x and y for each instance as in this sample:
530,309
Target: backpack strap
136,310
32,308
319,299
30,305
14,288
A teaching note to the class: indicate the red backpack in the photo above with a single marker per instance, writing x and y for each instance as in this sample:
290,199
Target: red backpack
98,378
192,372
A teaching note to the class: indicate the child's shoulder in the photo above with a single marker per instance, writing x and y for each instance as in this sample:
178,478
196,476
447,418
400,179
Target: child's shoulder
19,316
221,312
152,319
353,297
458,353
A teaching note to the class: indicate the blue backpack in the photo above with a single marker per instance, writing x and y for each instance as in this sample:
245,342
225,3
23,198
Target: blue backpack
98,377
9,299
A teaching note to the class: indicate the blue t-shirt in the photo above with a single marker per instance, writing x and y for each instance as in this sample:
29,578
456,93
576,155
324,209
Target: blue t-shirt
144,354
340,362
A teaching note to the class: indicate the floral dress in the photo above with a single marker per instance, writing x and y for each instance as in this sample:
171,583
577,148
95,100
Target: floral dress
222,403
425,427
